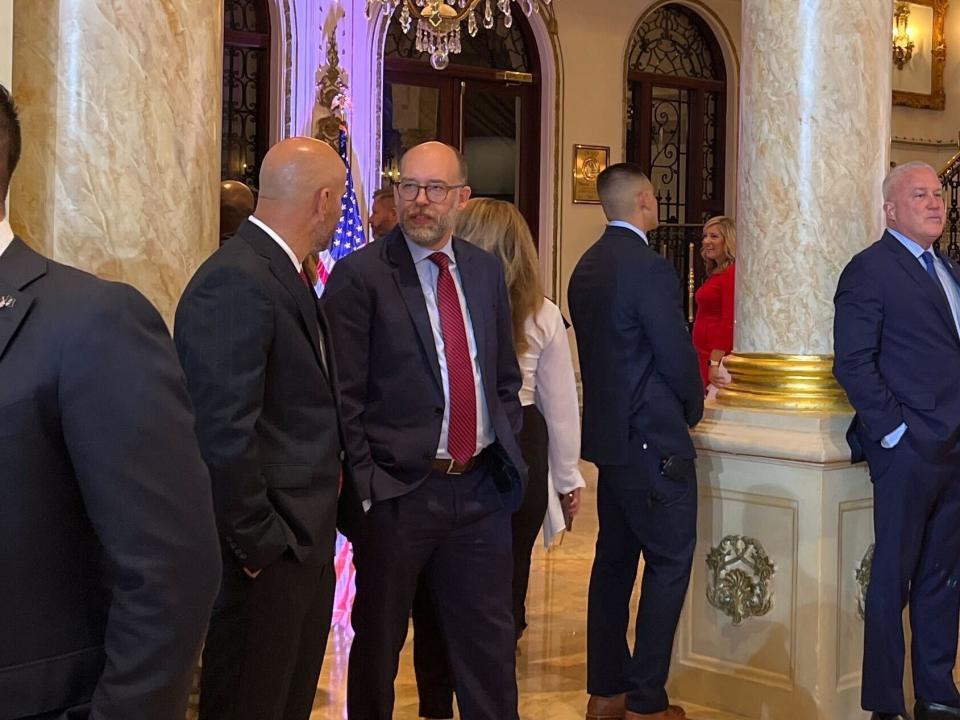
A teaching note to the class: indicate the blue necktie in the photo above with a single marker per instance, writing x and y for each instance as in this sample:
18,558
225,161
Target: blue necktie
932,270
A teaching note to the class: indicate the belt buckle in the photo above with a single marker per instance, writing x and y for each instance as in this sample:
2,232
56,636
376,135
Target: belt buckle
450,468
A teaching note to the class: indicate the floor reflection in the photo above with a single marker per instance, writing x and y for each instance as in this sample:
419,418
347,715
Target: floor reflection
551,666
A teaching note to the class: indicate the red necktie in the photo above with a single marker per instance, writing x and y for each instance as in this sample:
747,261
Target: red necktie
462,430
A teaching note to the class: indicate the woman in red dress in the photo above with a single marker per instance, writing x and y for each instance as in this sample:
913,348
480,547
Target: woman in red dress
713,324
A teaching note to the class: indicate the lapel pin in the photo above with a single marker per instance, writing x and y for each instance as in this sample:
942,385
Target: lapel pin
7,301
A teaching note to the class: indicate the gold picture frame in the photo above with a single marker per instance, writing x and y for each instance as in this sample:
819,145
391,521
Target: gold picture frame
935,55
588,162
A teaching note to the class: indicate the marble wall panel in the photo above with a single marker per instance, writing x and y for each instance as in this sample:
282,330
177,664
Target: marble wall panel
120,105
815,125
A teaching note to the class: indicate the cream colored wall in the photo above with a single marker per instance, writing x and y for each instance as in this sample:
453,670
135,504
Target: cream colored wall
932,125
6,42
594,39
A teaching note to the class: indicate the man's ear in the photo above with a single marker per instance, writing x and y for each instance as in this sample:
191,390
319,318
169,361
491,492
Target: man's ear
889,211
464,196
322,201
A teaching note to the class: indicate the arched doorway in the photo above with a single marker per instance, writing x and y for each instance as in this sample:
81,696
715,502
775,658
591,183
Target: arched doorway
486,102
246,89
676,112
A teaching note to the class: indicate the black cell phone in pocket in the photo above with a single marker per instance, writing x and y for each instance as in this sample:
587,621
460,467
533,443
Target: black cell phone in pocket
676,468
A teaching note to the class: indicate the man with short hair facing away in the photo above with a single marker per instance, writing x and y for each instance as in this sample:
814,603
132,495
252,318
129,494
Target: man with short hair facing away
430,385
897,356
107,538
261,373
236,205
383,213
641,394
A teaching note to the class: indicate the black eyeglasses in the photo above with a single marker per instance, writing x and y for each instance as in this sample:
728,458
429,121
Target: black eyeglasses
436,192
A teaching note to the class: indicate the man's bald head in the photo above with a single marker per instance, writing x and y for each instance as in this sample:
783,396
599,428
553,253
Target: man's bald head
236,205
445,158
298,166
302,181
626,193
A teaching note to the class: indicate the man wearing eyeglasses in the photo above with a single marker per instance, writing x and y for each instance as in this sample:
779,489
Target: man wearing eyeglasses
430,408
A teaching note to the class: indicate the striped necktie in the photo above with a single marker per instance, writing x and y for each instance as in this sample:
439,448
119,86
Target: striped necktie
462,430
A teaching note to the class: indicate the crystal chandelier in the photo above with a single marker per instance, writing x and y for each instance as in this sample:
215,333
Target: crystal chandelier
438,22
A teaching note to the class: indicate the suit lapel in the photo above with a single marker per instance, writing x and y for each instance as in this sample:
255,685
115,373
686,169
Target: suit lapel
474,290
282,269
953,267
912,267
408,283
19,267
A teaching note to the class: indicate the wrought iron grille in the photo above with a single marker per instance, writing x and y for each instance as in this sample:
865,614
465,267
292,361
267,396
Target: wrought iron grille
670,126
246,66
500,48
950,177
672,41
680,244
676,113
245,16
711,161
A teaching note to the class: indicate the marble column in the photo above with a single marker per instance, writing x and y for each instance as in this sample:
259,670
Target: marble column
771,628
814,139
120,107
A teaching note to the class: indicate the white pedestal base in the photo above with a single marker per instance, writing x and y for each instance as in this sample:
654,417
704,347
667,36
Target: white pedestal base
785,481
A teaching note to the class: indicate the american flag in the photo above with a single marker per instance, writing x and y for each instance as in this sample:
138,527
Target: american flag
349,235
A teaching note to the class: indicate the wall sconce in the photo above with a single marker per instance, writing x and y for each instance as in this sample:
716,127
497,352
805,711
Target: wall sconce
902,44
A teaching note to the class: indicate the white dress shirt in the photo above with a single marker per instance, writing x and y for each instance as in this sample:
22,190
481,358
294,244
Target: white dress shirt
629,226
297,266
278,240
549,383
6,234
428,273
891,439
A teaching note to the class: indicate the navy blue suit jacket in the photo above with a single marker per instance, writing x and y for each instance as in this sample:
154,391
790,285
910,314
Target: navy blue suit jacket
109,561
640,373
896,352
248,334
390,382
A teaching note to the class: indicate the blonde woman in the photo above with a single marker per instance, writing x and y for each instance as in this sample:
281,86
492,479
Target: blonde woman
550,439
713,324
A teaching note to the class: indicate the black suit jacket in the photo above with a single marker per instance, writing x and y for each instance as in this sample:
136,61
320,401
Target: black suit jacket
393,398
248,333
108,552
640,373
896,352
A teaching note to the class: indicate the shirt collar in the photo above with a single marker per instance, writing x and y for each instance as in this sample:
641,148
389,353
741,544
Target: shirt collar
6,234
279,241
629,226
915,248
420,253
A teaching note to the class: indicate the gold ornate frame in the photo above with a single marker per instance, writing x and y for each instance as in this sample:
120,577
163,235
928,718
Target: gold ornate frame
936,99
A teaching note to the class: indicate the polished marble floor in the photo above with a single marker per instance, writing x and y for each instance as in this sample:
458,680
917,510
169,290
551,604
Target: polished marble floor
551,666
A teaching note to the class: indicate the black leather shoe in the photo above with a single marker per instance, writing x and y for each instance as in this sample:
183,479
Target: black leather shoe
888,716
935,711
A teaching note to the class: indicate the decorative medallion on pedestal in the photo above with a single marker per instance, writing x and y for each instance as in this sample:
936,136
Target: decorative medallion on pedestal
740,574
862,575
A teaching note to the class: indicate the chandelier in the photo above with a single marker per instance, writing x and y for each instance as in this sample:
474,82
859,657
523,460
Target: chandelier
902,43
438,22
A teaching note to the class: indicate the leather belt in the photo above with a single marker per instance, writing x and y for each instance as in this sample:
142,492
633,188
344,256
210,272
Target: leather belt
452,467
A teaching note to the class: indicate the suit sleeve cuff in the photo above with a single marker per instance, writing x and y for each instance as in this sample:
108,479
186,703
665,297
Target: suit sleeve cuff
891,439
